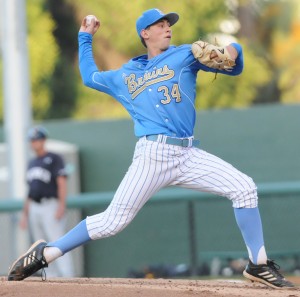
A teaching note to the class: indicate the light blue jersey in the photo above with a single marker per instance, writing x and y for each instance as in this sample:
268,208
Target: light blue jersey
159,93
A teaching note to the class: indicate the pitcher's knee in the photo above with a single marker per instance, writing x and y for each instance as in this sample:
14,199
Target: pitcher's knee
246,199
245,196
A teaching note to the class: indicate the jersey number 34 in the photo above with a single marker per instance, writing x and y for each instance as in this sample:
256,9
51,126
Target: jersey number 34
170,94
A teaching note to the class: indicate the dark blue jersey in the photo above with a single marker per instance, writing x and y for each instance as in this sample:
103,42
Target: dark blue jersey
41,176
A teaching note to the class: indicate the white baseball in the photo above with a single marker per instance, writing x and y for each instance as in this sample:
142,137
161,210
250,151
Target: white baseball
89,19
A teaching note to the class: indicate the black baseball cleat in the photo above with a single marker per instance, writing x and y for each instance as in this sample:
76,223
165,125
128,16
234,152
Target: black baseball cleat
29,263
267,274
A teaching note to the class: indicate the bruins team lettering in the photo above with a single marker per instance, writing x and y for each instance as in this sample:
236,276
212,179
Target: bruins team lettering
138,85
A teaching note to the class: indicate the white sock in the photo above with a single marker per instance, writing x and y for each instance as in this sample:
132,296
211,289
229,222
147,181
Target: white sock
262,256
51,253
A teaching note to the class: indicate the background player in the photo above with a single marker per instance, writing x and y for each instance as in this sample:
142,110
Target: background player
158,91
45,207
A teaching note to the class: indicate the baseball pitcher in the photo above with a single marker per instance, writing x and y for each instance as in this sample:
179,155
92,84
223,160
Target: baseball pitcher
158,90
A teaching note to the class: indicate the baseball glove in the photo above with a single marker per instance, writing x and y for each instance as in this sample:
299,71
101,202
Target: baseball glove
212,56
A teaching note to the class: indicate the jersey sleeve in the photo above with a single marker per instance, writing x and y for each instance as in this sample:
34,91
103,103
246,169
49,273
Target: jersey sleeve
92,77
59,168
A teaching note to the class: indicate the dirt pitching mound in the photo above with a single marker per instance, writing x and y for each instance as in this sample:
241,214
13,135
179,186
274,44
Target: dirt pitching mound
117,287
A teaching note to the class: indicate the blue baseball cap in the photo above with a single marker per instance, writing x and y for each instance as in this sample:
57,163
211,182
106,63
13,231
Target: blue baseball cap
152,16
37,133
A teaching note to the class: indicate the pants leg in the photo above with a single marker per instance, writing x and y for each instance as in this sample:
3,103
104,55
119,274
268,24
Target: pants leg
151,170
46,226
205,172
35,221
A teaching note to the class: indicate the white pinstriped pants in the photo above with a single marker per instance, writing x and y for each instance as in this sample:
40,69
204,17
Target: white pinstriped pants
156,165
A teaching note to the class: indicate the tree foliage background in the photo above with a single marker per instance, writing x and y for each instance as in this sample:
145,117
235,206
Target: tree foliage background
268,30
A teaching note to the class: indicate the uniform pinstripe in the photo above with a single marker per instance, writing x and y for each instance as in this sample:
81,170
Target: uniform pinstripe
156,165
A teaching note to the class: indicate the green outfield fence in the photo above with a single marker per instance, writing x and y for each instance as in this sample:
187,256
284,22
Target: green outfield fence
183,226
87,200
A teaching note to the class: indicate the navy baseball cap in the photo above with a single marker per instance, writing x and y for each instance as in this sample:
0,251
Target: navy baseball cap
37,133
152,16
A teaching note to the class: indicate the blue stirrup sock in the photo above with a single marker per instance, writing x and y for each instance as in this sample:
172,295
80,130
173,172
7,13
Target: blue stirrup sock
71,240
249,222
